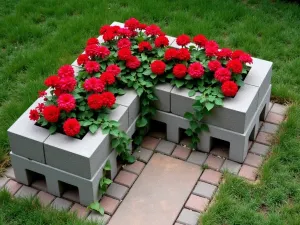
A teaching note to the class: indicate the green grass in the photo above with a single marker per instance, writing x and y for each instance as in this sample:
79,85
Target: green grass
36,37
30,212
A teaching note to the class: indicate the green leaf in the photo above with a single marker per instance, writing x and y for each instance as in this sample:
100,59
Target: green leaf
141,122
115,142
144,57
179,83
160,52
211,98
209,106
204,127
139,91
193,125
96,207
218,101
191,93
86,123
114,132
188,115
107,181
52,129
93,128
189,132
107,166
147,72
130,159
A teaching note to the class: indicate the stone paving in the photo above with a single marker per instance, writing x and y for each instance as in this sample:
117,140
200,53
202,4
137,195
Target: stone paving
155,189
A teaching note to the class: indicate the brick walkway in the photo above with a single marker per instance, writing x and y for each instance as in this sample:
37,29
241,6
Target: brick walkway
154,188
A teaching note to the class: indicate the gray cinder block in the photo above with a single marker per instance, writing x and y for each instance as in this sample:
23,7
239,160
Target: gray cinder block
82,157
130,100
163,93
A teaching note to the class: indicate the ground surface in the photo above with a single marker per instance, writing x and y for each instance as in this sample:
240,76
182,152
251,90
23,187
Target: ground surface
37,37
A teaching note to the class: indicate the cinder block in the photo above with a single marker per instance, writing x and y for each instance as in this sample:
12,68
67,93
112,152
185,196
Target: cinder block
130,131
115,23
171,40
163,93
27,139
130,100
88,188
84,156
235,114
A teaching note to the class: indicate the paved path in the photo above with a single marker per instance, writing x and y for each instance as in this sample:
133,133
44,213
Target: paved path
159,194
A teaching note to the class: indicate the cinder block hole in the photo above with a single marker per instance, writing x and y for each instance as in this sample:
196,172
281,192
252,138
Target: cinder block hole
252,134
221,144
35,177
68,191
183,138
158,128
262,115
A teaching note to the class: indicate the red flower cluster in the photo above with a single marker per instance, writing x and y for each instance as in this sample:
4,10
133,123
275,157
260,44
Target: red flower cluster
65,71
161,41
82,59
71,127
102,52
235,65
170,54
196,70
114,69
92,41
145,46
200,40
97,101
133,63
108,78
124,43
183,40
229,88
211,48
52,81
158,67
224,53
124,54
93,84
213,65
222,74
66,84
132,24
34,115
66,102
179,71
153,30
51,113
183,54
92,67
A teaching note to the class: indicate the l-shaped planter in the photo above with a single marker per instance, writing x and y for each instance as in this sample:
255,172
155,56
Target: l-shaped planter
62,159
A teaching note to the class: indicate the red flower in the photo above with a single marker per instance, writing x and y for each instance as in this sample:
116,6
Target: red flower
158,67
113,69
142,26
66,71
124,54
161,41
179,71
145,46
109,99
92,67
40,107
108,35
102,52
132,23
66,84
124,32
92,41
133,62
52,81
34,115
42,93
92,50
58,92
183,40
235,65
104,28
124,43
95,101
222,74
51,113
211,44
246,58
66,102
82,59
93,84
171,53
108,78
229,88
114,29
200,40
153,30
71,127
211,51
214,65
236,54
183,54
224,53
196,70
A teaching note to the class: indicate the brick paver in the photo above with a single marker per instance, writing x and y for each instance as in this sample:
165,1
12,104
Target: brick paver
150,142
250,143
10,173
188,217
204,190
269,128
81,211
40,185
248,172
214,162
264,138
253,160
181,152
219,151
45,198
165,147
117,191
109,204
125,178
97,218
72,195
61,204
279,109
3,181
143,154
197,203
211,177
260,149
197,158
135,167
231,166
26,192
13,186
274,118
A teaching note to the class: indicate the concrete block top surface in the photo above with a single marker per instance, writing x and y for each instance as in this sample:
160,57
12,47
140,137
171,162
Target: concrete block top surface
127,98
164,87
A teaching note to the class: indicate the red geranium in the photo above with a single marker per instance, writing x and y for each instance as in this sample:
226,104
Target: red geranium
124,54
66,102
246,58
109,35
42,93
82,59
183,54
71,127
142,26
132,23
222,74
213,65
52,81
66,84
200,40
236,54
179,71
224,53
113,69
229,88
158,67
145,46
161,41
58,92
153,30
66,71
40,107
92,67
92,41
102,52
171,53
183,40
104,28
95,101
235,65
109,99
211,44
34,115
124,32
124,43
92,50
93,84
133,62
211,51
51,113
196,70
108,78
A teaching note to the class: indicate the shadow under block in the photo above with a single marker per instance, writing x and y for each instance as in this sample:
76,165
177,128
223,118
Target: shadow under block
88,188
82,157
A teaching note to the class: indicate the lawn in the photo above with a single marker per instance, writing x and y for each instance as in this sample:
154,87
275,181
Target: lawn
36,37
